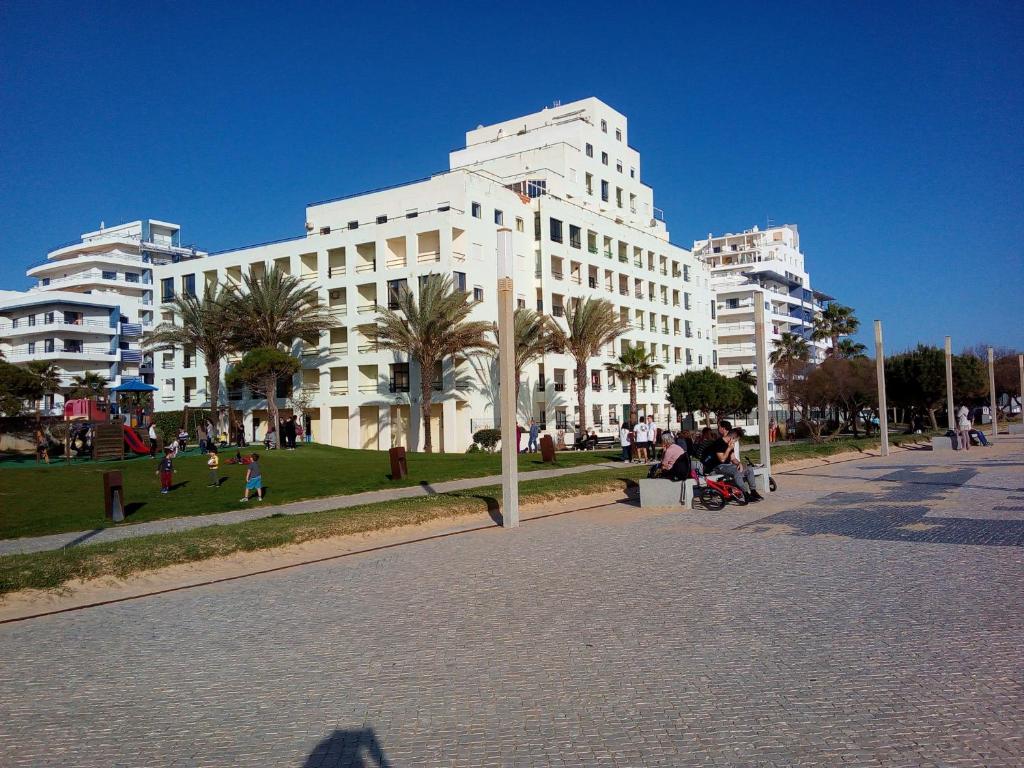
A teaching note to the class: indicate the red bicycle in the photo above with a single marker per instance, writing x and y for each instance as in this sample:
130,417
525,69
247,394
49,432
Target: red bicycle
713,494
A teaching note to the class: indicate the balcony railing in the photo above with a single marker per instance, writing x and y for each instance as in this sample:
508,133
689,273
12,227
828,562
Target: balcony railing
559,386
370,266
425,257
366,388
336,271
339,388
364,309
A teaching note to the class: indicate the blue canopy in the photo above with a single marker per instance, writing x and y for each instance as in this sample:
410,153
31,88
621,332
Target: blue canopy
134,386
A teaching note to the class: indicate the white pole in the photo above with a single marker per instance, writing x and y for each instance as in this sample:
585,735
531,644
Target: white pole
507,384
883,409
949,384
762,389
992,392
1020,397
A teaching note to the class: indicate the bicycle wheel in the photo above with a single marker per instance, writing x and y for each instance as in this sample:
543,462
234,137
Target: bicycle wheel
738,497
712,499
772,485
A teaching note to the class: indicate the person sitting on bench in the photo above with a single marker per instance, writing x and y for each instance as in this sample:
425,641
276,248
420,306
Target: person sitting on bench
675,463
721,457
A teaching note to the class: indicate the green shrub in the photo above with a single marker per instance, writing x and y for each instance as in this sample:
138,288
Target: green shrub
169,422
487,438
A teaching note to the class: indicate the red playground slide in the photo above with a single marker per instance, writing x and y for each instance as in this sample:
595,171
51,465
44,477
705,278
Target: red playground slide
134,442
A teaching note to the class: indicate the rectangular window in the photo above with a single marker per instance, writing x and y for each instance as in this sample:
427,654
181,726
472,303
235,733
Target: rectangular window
31,347
686,272
618,134
414,214
574,237
382,219
618,166
31,320
109,275
604,190
686,300
556,230
604,158
732,303
188,285
459,281
476,210
131,277
166,289
520,227
325,230
590,183
590,150
604,126
399,377
48,318
395,290
632,173
48,345
478,293
499,217
353,225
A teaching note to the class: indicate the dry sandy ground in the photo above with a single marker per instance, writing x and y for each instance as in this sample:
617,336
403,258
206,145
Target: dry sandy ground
607,507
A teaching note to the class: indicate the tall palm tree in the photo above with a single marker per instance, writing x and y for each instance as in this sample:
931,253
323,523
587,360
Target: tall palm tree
428,330
592,323
837,320
45,378
203,325
532,338
849,349
746,376
273,311
89,384
790,353
631,366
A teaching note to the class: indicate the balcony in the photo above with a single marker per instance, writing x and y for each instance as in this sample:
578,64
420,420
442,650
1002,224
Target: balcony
592,282
131,356
336,271
558,311
338,349
339,388
368,388
559,386
396,387
102,327
557,274
131,330
367,309
429,257
592,249
542,386
369,266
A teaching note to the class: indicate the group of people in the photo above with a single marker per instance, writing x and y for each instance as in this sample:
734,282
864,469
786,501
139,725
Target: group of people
718,452
965,430
253,472
289,431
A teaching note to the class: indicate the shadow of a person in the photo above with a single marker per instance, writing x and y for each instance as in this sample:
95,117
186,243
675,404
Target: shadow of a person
348,749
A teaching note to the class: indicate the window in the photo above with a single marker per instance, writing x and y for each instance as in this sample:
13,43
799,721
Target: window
556,230
478,293
519,224
686,300
399,377
686,272
48,318
109,275
284,388
438,377
632,173
604,158
395,290
560,420
48,345
31,347
131,277
353,225
732,303
618,166
31,320
604,126
590,183
414,214
188,285
604,190
590,150
325,230
166,288
574,237
382,219
460,281
476,210
499,217
618,134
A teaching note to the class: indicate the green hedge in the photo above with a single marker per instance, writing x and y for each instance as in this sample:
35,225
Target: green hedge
169,422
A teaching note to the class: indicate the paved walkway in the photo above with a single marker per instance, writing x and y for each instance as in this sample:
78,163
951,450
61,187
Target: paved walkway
258,510
869,614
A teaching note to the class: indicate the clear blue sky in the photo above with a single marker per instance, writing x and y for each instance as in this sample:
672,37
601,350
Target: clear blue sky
893,137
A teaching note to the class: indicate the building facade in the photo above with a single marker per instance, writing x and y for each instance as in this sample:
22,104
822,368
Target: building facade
759,265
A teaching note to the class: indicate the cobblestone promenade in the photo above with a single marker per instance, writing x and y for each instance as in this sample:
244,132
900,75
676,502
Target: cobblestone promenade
870,614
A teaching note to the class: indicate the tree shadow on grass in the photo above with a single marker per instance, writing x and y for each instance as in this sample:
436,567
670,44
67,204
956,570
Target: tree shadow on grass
348,749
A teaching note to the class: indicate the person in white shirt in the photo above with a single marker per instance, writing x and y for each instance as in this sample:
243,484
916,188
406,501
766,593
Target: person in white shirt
963,423
152,439
624,443
640,435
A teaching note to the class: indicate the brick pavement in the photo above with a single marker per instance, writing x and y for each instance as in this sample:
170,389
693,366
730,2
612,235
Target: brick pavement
619,637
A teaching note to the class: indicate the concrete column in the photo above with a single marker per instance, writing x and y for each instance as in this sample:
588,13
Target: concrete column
949,384
992,393
324,435
883,409
506,361
761,352
384,425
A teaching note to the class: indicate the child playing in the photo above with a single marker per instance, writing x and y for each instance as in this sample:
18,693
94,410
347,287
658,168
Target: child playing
213,462
253,479
166,471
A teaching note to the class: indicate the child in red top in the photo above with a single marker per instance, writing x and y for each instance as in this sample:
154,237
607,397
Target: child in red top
166,471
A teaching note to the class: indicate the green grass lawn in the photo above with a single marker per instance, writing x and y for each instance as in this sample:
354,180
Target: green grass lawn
36,499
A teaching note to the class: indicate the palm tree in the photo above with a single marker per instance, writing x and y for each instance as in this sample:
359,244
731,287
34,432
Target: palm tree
837,320
200,324
592,324
273,311
45,378
746,376
89,384
790,352
428,330
532,337
849,349
633,365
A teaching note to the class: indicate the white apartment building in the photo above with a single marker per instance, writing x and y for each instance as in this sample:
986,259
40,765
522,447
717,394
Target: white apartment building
91,304
567,183
759,265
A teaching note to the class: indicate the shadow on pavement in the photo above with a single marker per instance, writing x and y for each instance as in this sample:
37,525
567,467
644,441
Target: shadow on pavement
348,749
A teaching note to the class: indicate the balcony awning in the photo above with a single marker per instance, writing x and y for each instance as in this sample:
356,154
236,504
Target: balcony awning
134,386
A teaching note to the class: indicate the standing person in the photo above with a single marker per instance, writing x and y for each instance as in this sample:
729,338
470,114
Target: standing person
152,438
202,434
625,435
653,438
254,479
271,437
773,430
721,457
166,471
640,438
213,463
300,432
42,446
519,438
534,434
963,422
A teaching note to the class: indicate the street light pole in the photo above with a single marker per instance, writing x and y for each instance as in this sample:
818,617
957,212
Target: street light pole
992,393
883,408
507,383
761,356
949,384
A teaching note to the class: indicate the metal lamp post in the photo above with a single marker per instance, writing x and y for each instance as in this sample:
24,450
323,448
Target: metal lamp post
507,383
883,407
